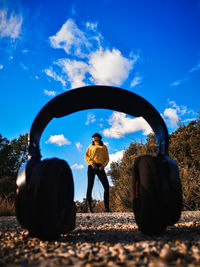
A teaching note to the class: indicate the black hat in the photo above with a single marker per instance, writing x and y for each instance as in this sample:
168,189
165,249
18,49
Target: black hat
97,135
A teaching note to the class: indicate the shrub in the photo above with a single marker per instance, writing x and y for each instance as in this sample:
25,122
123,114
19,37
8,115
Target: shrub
7,205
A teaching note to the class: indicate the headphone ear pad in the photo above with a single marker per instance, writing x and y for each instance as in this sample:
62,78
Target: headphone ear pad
171,189
145,187
52,193
22,206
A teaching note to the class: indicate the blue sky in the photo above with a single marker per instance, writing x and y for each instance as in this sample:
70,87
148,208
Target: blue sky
151,48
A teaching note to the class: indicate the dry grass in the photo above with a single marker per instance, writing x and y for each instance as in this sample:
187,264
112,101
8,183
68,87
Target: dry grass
7,206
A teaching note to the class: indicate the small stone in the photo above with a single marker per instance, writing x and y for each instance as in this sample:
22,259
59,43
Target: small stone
113,251
157,263
168,254
64,255
196,253
130,247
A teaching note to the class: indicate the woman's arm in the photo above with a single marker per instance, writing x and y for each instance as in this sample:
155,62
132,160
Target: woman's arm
87,157
106,157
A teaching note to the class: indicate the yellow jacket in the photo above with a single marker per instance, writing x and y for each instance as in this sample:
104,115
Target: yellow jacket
97,154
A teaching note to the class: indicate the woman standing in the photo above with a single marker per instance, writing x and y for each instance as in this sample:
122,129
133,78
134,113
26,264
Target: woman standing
97,158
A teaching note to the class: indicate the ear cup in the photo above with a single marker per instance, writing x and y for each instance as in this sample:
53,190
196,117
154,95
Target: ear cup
52,199
146,196
52,210
24,192
23,206
156,195
71,220
171,188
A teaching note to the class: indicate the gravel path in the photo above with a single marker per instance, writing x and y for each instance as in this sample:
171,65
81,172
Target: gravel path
103,239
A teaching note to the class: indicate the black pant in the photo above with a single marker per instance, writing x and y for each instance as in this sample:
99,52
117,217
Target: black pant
104,180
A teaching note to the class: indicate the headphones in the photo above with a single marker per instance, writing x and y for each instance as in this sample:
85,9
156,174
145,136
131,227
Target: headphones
45,195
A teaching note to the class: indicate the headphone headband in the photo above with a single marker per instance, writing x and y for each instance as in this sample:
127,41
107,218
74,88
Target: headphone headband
112,98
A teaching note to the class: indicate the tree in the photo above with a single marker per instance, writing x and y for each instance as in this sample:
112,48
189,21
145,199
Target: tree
19,152
4,155
12,155
185,150
81,206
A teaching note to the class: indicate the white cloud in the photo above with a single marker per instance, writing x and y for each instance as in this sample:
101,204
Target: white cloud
186,78
115,157
71,39
73,9
104,67
49,93
173,114
60,140
23,66
1,67
180,109
91,26
109,67
49,72
197,67
90,118
136,80
10,26
121,125
76,71
96,63
188,120
181,81
77,166
171,117
79,146
178,82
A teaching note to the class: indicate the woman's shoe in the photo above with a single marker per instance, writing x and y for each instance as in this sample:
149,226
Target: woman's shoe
90,210
107,210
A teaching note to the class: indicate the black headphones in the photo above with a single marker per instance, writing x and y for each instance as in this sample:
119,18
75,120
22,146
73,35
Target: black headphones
44,203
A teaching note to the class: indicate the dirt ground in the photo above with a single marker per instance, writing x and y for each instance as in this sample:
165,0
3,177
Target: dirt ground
103,239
